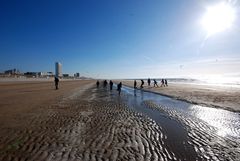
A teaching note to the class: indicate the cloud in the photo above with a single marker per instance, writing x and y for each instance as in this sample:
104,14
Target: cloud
148,58
217,61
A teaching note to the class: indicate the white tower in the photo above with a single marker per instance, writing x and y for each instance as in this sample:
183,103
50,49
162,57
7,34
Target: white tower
58,69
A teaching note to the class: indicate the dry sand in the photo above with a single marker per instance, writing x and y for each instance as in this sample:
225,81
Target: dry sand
40,123
214,96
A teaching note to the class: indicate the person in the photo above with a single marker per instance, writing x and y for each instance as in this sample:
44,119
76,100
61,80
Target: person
56,80
111,84
119,86
162,81
166,83
149,81
155,83
97,83
142,83
105,83
135,84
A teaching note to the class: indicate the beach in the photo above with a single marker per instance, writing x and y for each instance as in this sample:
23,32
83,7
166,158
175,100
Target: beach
214,96
25,107
120,80
41,123
82,122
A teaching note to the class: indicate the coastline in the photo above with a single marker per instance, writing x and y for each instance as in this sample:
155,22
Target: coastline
221,97
213,96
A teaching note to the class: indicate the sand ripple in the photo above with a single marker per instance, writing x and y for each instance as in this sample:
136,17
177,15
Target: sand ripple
204,138
94,124
79,128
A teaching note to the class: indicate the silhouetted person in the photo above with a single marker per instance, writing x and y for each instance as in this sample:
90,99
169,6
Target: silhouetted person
166,83
111,85
162,83
149,81
97,84
56,80
119,86
155,83
142,83
105,83
135,84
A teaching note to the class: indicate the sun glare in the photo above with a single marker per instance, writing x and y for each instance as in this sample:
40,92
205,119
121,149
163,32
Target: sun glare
218,18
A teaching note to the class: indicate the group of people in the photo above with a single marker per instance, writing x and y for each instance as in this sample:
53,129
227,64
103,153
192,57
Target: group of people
119,86
105,83
163,83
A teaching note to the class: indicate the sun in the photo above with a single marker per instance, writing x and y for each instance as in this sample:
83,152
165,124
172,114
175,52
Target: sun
218,18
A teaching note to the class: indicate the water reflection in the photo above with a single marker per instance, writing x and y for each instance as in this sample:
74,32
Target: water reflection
225,122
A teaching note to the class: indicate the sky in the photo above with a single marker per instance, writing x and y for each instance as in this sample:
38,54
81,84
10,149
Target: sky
117,38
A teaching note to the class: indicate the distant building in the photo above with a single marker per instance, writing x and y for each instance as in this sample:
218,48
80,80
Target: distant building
12,71
45,74
58,69
77,75
31,74
65,75
50,74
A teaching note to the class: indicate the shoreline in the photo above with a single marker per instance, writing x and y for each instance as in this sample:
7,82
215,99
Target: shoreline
220,97
225,98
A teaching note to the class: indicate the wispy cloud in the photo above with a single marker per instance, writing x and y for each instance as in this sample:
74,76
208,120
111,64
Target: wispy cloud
217,61
147,58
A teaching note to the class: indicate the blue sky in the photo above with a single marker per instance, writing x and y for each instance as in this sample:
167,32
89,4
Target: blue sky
116,38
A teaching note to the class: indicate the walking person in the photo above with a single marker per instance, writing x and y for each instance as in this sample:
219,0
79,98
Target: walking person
111,85
97,83
135,84
166,82
142,83
119,86
162,81
56,80
105,83
149,81
155,83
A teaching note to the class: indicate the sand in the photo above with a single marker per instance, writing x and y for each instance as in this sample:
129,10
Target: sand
81,122
23,105
40,123
213,96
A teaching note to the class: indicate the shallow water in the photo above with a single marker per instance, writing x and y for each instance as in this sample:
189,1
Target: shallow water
226,123
193,132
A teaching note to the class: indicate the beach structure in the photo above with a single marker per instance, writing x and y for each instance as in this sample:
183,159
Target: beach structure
77,75
65,75
58,69
31,74
45,74
12,71
39,74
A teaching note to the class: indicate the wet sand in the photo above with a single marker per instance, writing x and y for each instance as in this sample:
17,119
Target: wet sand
81,122
213,96
73,123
